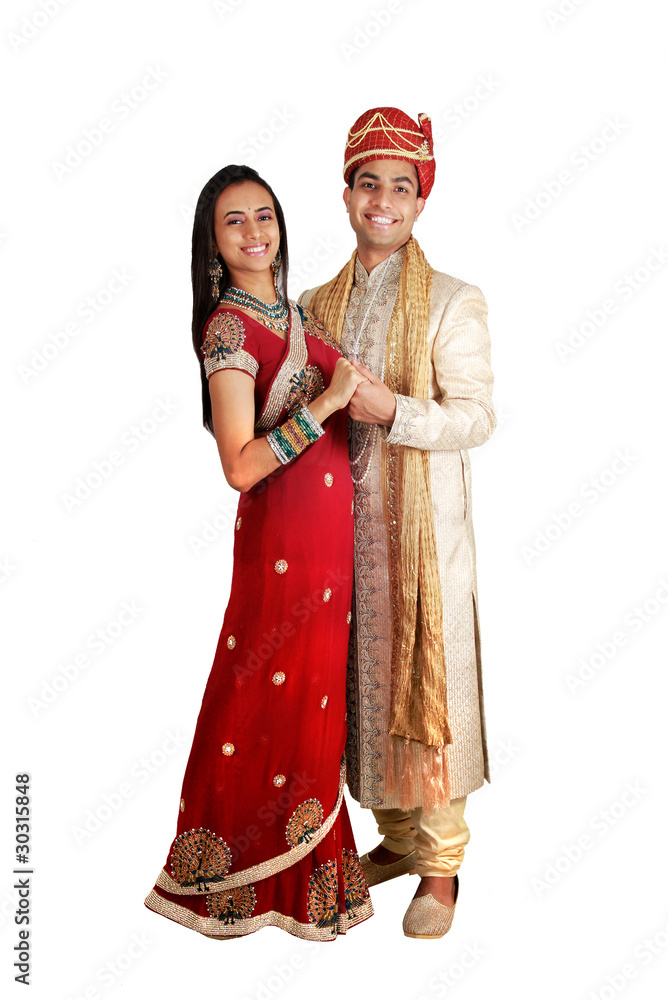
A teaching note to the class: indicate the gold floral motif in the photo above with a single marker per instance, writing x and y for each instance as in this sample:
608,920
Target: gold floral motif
324,701
231,642
237,904
322,896
183,805
278,677
304,822
279,779
326,594
228,749
356,889
200,858
238,523
314,328
349,617
305,386
329,479
280,566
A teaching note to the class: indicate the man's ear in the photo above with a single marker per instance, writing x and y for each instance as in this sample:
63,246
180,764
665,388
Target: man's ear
420,206
346,197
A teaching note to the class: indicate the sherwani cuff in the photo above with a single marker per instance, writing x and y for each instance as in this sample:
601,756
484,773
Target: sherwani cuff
398,433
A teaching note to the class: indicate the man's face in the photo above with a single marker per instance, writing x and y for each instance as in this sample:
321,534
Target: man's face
383,204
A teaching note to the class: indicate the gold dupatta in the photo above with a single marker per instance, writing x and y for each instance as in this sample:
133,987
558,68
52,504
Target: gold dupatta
419,692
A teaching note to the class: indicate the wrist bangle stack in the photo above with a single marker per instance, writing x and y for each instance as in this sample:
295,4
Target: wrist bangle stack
295,435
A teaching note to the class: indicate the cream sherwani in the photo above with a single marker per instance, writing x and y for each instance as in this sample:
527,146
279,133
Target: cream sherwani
458,415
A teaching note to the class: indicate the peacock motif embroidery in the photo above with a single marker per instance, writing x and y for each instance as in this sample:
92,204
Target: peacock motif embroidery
199,858
237,904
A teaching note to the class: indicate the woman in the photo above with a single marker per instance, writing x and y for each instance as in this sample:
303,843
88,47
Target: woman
263,835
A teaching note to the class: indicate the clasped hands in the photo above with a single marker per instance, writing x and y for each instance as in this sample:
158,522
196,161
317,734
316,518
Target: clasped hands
372,402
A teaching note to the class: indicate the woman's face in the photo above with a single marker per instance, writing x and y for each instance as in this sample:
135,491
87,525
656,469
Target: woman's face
245,228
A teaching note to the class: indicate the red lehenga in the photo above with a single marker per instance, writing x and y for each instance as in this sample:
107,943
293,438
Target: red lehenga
263,834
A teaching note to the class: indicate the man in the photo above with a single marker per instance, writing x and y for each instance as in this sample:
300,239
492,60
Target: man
416,726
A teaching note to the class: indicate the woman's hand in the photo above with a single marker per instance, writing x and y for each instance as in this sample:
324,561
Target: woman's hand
375,403
344,382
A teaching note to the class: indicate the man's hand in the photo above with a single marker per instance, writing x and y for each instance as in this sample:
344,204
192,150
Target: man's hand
372,402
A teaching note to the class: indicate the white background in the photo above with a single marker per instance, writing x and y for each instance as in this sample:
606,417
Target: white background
518,95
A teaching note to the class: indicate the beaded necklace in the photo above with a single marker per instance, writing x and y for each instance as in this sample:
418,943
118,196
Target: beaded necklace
275,315
363,448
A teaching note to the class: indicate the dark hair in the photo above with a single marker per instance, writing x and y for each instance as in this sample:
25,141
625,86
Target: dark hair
204,302
351,181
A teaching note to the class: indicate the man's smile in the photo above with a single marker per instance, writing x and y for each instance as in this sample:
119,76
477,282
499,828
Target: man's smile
380,220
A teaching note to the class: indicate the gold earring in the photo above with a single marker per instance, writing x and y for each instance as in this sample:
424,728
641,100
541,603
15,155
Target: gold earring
275,266
215,270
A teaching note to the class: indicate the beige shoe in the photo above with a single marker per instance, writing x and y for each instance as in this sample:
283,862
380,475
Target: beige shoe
427,918
375,874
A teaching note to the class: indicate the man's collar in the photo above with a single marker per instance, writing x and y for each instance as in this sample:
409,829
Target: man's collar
385,273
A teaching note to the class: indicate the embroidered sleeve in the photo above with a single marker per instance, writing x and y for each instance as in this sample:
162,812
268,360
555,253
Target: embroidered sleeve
406,423
226,344
463,417
314,328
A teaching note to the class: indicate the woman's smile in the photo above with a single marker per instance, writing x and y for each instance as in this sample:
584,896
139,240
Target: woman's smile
255,249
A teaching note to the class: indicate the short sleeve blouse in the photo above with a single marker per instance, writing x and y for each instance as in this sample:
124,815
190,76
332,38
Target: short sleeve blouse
228,342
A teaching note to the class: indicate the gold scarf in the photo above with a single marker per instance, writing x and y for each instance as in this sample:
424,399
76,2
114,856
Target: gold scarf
419,694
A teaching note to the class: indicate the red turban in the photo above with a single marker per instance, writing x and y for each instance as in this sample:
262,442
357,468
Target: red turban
389,134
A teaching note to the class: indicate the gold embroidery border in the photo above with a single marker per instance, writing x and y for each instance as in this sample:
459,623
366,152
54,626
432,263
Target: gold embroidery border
215,928
392,483
239,360
314,328
295,359
266,868
382,154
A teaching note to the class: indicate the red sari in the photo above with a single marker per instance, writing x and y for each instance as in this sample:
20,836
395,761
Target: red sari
263,834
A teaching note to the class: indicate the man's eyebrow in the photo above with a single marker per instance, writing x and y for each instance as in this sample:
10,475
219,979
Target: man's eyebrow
240,211
395,180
